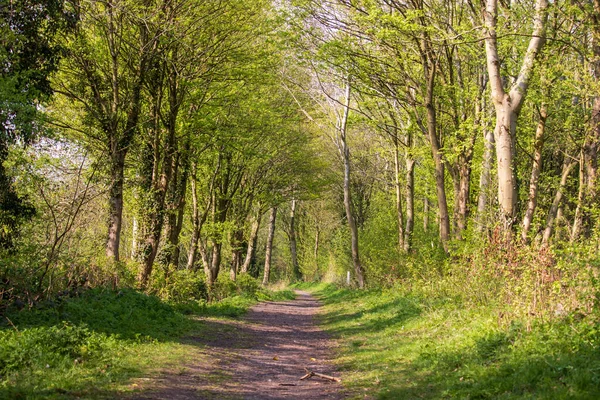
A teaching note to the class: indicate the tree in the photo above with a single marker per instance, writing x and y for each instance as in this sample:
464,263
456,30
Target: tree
29,54
269,248
105,72
508,103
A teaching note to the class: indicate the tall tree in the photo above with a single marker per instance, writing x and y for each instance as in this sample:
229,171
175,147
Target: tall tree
105,72
269,248
508,103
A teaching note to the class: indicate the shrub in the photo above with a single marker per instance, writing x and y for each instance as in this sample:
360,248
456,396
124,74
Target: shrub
186,286
247,285
223,287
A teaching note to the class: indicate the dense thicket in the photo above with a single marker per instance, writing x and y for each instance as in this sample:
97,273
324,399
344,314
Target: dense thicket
391,141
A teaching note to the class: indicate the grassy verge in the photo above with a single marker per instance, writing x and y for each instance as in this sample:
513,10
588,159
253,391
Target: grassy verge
93,346
398,344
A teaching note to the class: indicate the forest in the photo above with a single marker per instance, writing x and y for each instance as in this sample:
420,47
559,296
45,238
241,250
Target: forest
414,164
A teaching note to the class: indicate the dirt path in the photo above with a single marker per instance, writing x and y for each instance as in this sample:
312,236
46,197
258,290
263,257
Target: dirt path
260,357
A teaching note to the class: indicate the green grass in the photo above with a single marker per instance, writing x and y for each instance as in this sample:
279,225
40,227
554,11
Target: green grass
94,345
397,344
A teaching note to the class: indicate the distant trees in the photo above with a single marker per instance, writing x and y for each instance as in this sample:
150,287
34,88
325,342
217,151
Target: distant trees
451,70
299,139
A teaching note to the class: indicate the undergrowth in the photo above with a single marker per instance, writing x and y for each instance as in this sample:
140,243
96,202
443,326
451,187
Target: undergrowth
405,343
91,345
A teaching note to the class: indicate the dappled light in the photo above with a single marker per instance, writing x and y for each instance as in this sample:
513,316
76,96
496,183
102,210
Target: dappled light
299,199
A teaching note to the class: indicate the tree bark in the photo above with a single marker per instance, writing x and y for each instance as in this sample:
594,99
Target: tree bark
297,275
579,210
177,206
115,205
197,219
196,223
215,263
119,142
345,150
536,169
485,179
236,251
398,183
251,244
220,206
134,237
508,104
269,248
410,198
161,182
439,172
553,212
591,145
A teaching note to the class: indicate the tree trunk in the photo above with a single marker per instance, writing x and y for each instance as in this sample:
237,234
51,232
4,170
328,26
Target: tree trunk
464,189
505,158
536,169
508,104
177,213
134,237
410,202
119,142
345,150
156,215
578,219
553,212
269,249
399,214
251,245
485,179
297,275
206,256
591,145
115,202
215,263
197,219
196,226
440,184
236,251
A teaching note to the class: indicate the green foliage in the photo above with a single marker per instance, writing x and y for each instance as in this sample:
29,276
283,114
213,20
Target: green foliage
52,346
87,345
248,285
223,287
180,286
245,286
407,342
28,55
127,313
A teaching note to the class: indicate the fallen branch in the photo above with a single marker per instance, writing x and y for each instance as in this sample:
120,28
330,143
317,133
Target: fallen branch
310,374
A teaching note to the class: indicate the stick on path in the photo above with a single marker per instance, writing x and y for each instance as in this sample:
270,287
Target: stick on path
263,356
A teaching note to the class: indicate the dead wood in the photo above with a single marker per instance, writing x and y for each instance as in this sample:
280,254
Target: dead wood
310,374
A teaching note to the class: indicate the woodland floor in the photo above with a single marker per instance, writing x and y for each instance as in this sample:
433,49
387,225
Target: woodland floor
263,355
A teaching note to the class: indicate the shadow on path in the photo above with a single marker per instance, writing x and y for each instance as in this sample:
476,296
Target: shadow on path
261,356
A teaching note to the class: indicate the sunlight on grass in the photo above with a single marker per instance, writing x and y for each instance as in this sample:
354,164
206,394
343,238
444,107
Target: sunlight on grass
96,345
400,345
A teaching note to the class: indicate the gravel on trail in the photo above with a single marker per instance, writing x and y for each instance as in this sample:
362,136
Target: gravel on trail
261,356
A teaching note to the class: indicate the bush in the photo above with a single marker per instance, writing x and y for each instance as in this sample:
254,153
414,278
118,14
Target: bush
247,285
223,287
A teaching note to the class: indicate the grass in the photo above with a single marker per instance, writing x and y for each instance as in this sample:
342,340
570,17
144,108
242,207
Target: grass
397,344
93,346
